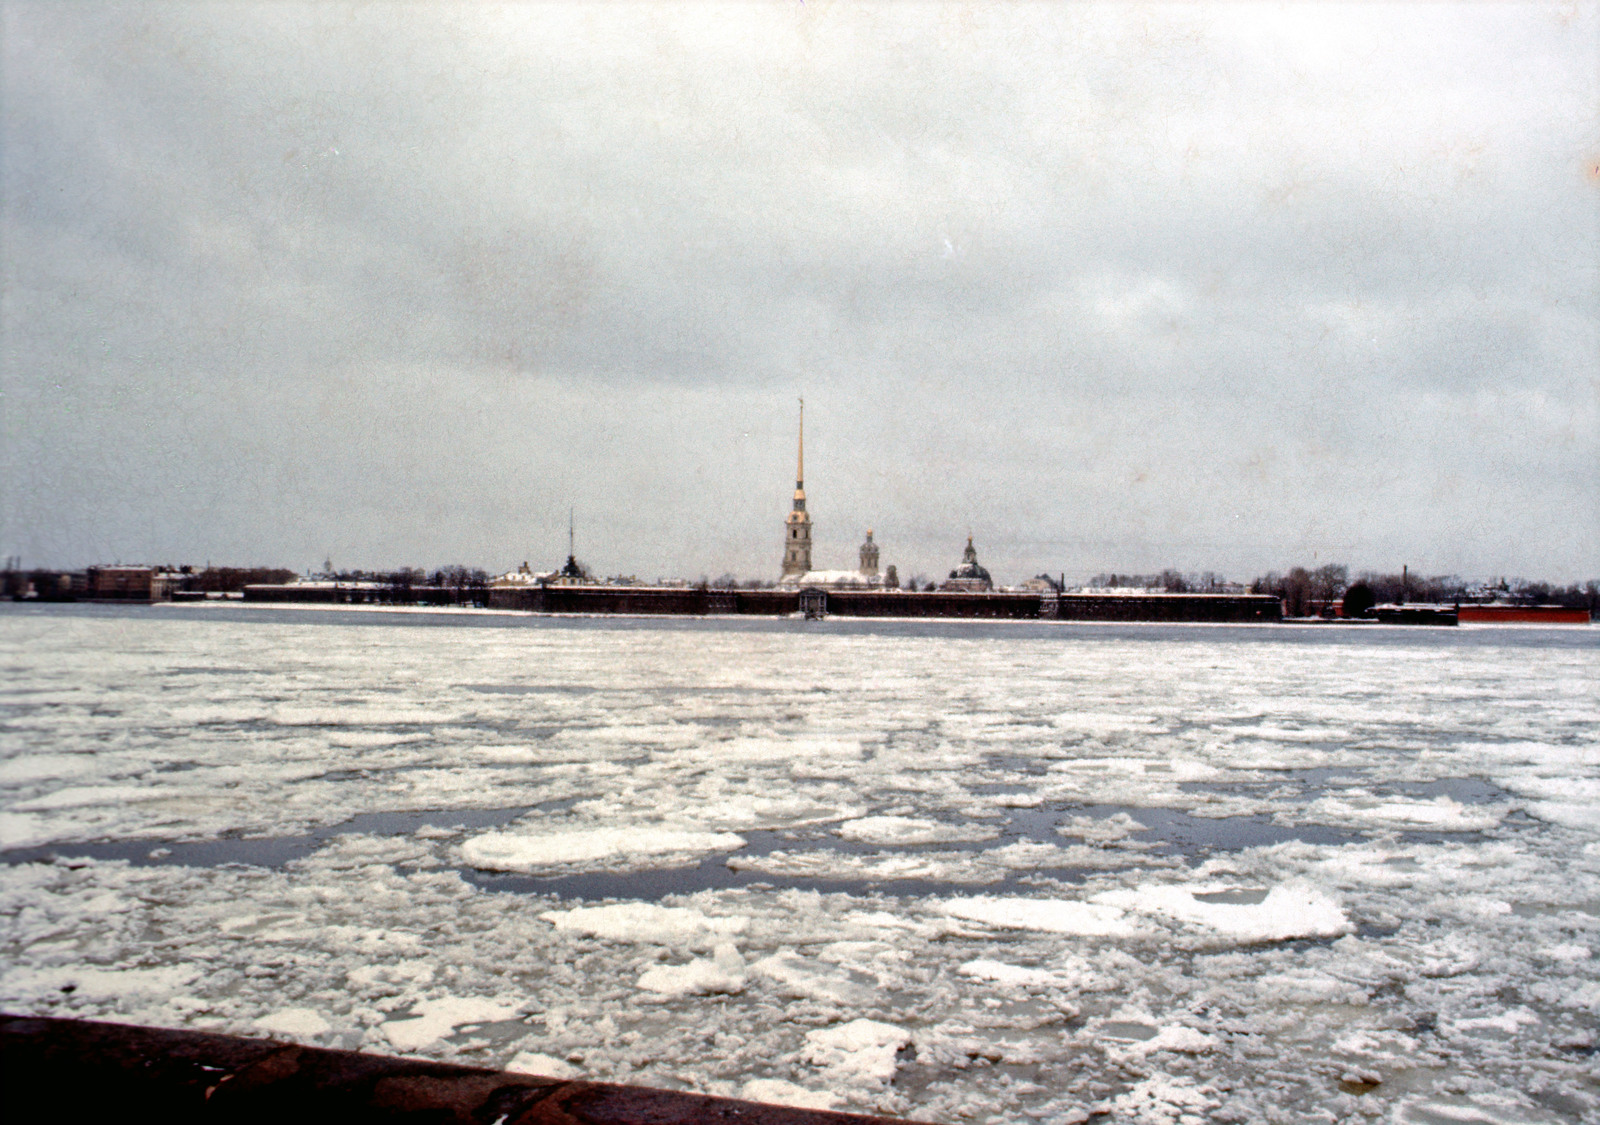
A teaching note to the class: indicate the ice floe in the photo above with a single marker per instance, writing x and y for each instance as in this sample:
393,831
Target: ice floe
436,1018
570,847
1013,976
541,1066
298,1023
723,971
862,1050
645,922
775,1091
1057,916
1290,910
904,830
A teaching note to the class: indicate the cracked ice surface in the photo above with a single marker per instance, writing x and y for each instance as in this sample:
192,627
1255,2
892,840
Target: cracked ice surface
1015,872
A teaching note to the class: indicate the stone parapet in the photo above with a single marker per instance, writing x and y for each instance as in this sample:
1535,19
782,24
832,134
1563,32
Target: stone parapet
58,1070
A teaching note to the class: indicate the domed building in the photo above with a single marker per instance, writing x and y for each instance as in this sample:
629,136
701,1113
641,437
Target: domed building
969,577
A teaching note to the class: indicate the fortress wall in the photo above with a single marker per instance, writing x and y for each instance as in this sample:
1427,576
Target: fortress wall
902,603
689,601
1170,607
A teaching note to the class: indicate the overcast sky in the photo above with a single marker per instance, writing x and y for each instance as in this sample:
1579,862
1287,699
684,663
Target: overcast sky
1112,287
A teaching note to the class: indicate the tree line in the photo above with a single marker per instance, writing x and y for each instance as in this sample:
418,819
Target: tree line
1307,592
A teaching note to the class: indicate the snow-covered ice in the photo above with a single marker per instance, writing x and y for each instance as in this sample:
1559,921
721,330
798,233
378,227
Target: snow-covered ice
859,1051
543,1066
645,922
574,847
297,1023
1291,910
1000,872
1085,919
436,1018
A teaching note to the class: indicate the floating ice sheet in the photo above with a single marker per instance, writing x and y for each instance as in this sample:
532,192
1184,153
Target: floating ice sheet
567,847
1224,872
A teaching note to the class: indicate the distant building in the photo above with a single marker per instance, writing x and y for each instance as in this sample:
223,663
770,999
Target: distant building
969,577
572,573
522,576
1040,584
831,580
130,583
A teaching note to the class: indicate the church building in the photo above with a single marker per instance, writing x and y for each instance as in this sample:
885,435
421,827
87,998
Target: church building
970,577
797,541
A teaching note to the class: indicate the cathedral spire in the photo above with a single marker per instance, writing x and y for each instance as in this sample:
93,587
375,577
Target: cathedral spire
797,527
800,464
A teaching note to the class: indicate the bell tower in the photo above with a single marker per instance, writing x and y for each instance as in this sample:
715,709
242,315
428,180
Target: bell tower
797,525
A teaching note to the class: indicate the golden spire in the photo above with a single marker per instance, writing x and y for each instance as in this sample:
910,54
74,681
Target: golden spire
800,466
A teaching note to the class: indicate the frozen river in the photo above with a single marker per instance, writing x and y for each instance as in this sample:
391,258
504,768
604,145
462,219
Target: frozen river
958,871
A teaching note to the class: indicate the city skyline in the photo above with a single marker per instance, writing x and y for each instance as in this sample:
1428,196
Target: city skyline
1222,287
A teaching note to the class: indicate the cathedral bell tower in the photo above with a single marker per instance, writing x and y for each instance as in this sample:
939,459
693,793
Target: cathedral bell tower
797,526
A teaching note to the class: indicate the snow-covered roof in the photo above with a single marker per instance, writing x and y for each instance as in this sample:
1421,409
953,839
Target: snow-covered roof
826,578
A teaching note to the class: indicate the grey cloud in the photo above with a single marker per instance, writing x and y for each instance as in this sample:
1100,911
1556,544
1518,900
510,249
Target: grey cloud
1128,281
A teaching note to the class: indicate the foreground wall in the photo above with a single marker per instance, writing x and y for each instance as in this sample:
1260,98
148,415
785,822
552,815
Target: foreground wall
77,1070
